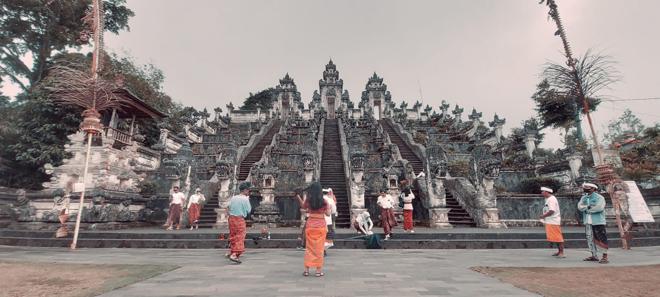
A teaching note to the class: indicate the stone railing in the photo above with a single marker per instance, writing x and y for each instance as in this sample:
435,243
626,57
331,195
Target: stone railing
345,158
417,148
478,202
117,135
244,150
319,149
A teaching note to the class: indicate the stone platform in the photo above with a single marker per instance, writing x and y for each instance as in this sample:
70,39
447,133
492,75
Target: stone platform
424,238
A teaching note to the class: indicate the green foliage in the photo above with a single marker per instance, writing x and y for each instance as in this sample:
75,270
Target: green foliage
38,137
626,125
557,110
41,27
641,163
263,99
533,185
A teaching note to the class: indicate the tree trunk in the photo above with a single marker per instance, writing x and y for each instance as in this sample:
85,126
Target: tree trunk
40,61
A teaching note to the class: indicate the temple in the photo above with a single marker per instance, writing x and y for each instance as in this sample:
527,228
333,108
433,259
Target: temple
464,171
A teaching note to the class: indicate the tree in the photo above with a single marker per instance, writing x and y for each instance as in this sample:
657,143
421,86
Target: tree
626,124
560,95
641,162
40,28
263,99
36,138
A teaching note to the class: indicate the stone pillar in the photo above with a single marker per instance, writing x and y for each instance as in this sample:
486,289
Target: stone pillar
438,213
530,145
223,202
490,218
267,214
575,163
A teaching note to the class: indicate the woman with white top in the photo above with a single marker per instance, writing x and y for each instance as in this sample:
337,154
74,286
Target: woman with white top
387,218
194,208
407,197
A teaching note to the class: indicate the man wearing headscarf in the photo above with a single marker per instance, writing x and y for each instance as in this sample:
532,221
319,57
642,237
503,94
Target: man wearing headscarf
592,206
239,208
551,218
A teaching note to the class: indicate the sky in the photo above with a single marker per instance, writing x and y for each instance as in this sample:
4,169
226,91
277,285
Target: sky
482,54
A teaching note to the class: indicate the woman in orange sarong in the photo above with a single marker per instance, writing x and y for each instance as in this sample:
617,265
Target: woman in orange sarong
315,229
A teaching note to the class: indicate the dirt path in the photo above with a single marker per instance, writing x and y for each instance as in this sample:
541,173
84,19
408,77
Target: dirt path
601,281
58,279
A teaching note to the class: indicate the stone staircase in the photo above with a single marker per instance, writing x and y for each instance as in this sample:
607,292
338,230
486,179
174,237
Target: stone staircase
458,216
256,153
332,171
207,216
420,214
404,149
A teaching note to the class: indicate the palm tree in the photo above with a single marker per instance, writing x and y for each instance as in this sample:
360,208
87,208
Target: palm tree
74,86
573,89
582,79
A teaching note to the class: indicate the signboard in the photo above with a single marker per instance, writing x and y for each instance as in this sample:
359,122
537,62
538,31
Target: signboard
639,211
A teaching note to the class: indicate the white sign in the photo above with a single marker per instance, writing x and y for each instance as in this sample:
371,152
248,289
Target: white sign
78,187
639,211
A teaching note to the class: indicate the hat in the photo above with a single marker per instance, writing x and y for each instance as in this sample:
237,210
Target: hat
198,190
326,190
244,186
545,189
590,185
175,187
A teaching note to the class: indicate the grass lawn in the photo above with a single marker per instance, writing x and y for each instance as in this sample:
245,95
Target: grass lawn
79,280
600,281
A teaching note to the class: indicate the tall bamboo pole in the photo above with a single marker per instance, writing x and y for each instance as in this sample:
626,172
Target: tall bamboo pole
95,128
606,174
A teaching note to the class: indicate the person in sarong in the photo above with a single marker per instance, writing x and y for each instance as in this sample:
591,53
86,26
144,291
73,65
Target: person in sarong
177,200
551,218
592,206
239,208
621,198
315,228
330,199
407,196
363,223
387,219
194,207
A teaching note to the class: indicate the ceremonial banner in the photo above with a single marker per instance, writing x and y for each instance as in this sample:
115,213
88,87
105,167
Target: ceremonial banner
639,211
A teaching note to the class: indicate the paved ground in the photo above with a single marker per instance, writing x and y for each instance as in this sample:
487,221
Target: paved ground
348,272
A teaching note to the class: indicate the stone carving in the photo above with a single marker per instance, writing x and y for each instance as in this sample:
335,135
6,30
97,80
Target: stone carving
358,160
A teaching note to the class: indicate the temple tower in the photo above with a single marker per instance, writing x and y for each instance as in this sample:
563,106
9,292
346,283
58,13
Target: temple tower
288,98
375,96
331,90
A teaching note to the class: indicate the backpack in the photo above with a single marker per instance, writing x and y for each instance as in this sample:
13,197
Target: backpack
401,199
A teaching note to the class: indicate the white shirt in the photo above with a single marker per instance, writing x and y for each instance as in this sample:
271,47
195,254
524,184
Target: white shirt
407,201
333,207
177,198
551,203
196,198
385,201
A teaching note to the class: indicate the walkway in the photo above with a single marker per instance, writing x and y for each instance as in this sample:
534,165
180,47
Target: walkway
276,272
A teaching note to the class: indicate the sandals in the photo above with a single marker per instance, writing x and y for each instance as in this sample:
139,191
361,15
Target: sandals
555,254
305,273
604,261
592,259
319,274
235,260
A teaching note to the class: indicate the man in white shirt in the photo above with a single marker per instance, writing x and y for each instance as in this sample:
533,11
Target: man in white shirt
176,204
551,218
387,218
